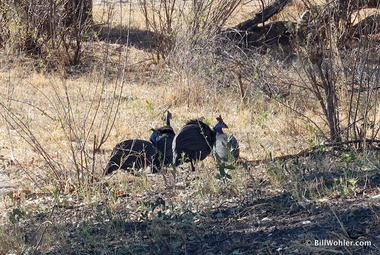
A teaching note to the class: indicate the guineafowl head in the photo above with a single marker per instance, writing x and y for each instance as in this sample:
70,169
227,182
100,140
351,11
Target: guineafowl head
168,117
155,134
220,125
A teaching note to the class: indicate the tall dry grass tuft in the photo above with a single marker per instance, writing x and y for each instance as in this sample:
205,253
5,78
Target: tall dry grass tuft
65,127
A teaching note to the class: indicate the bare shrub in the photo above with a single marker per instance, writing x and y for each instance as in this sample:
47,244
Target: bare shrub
53,30
82,129
185,21
65,125
342,72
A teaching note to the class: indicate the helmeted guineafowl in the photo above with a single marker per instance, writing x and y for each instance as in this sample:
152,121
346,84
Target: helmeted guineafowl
162,138
226,147
132,154
194,142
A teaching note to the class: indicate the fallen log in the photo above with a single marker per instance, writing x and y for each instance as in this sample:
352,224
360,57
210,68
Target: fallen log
254,32
276,7
367,26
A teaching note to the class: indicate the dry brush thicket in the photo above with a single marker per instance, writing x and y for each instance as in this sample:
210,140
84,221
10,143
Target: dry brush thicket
313,90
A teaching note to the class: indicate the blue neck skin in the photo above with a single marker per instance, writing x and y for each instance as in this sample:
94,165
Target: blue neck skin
153,137
219,128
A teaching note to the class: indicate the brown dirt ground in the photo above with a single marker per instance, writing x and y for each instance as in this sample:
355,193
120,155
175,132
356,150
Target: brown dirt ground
262,221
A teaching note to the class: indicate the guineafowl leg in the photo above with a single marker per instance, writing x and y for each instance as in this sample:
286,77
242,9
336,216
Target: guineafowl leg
192,165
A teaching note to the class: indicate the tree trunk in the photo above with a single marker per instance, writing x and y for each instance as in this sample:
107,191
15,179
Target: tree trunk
78,11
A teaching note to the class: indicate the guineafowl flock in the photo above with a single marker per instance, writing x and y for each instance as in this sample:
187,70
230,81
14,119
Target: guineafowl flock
194,142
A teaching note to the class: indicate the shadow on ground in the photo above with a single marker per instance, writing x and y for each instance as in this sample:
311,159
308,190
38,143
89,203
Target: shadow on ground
275,224
141,39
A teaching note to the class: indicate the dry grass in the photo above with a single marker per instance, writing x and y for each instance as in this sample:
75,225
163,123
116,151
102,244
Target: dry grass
141,108
263,127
